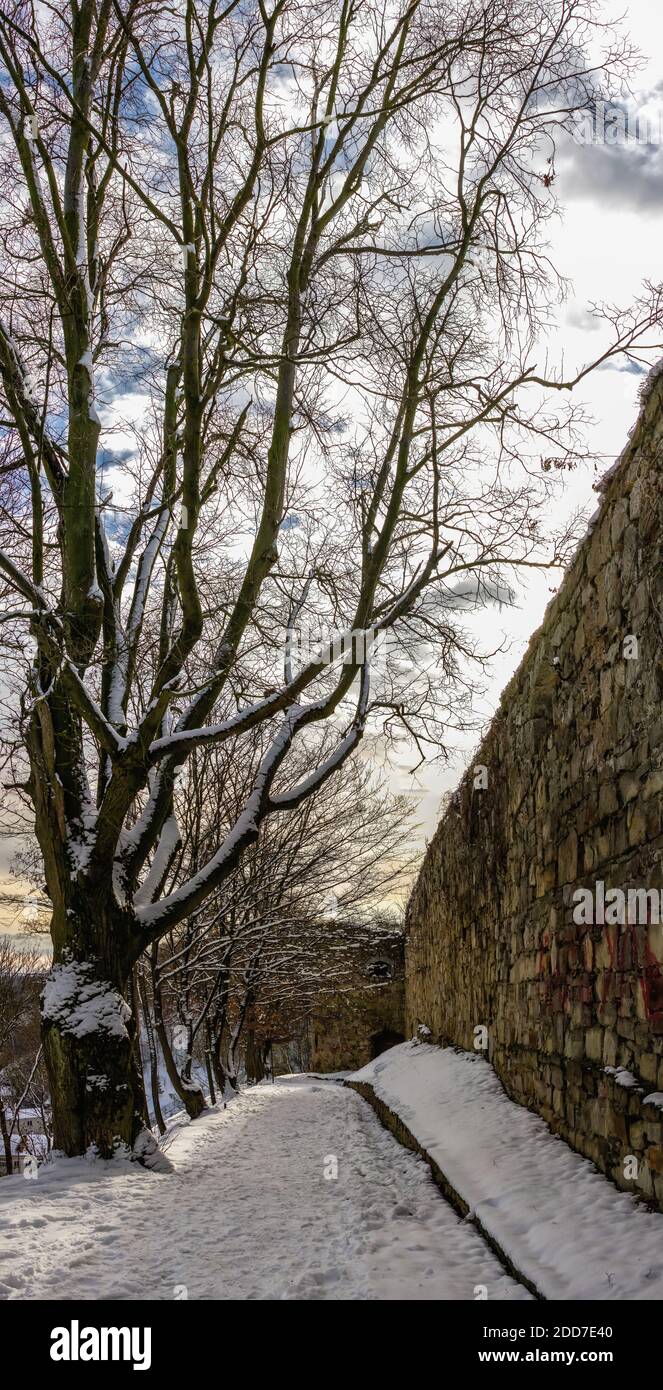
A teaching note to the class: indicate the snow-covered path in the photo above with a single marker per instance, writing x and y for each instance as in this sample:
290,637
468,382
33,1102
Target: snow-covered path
248,1213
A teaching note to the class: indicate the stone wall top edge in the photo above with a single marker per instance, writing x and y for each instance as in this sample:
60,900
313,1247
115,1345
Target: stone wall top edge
616,483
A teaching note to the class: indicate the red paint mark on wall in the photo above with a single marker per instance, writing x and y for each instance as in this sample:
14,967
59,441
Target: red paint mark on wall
643,963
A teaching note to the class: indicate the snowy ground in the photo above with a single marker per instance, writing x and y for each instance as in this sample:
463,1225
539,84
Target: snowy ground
248,1213
562,1223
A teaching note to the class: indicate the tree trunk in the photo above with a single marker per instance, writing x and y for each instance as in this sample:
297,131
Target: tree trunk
216,1027
89,1025
188,1092
210,1075
154,1059
220,1073
91,1049
7,1143
142,1098
253,1058
231,1064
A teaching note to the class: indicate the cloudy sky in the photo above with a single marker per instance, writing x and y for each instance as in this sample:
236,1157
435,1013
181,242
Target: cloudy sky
609,240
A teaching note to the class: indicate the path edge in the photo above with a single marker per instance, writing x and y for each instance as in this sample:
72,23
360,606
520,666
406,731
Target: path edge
393,1122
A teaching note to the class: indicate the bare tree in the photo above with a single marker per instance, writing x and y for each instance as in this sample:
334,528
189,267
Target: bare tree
288,263
257,945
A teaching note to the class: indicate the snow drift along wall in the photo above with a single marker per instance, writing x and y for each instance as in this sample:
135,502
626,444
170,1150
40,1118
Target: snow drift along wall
566,793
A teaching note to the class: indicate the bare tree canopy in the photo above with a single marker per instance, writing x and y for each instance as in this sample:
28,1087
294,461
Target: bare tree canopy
273,285
258,950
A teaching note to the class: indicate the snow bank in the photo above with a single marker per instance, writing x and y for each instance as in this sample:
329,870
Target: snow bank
563,1224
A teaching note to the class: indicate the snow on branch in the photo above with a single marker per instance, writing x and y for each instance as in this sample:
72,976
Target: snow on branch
121,670
288,800
156,918
169,842
183,740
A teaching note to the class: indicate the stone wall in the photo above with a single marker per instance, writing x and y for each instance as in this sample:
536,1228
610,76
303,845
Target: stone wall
571,794
350,1026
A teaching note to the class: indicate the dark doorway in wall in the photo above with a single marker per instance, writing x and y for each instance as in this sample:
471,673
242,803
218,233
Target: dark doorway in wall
381,1042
